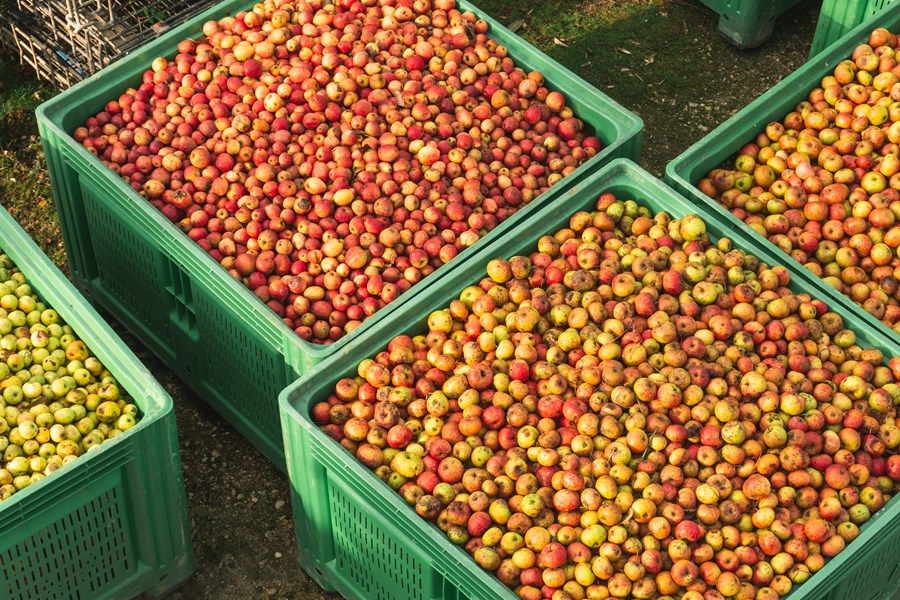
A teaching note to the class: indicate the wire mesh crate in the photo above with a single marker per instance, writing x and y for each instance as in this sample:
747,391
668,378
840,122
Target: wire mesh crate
37,47
65,41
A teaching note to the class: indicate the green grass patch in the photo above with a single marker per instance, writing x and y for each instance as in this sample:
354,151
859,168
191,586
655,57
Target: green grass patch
24,184
20,94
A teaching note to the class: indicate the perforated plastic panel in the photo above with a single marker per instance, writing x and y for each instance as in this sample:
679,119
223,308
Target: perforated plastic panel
370,555
872,580
252,373
89,541
128,268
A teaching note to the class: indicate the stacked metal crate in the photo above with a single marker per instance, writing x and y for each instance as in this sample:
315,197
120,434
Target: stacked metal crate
65,41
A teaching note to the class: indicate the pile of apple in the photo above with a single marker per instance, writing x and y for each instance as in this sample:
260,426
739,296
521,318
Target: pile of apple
331,155
57,401
824,183
632,411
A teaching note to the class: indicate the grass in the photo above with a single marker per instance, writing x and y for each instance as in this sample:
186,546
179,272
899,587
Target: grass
24,184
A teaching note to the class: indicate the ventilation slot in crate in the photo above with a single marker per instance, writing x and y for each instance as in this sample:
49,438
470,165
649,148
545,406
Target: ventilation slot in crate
127,271
870,581
74,557
246,369
370,555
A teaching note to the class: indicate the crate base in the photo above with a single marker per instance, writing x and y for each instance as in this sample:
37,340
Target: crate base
171,583
748,23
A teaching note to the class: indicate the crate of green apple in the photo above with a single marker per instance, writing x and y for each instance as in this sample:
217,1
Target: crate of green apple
627,405
85,432
821,182
328,156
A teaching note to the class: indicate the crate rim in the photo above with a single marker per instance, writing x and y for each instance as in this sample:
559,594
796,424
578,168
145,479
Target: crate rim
59,293
290,409
50,112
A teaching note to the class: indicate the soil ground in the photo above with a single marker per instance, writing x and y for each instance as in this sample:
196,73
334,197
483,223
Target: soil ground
663,59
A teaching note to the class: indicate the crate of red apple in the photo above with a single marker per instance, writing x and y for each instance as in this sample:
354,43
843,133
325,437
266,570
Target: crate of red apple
319,158
331,156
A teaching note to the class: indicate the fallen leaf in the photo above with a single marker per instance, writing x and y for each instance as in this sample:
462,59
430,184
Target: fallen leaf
623,51
559,42
516,25
650,61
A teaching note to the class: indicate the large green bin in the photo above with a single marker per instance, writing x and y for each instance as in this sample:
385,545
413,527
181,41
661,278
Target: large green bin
359,537
214,333
113,524
837,17
748,23
719,146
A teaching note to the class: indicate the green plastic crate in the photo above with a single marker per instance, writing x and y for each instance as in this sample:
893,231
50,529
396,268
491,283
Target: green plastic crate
837,17
113,524
723,143
214,333
357,536
749,23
